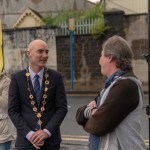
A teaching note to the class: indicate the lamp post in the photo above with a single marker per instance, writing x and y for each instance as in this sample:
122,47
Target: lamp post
71,31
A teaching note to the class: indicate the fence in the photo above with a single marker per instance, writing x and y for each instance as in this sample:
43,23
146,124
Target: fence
82,27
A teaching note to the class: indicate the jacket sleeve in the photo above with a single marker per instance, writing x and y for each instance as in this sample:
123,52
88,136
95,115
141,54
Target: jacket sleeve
14,108
122,99
81,120
60,106
4,92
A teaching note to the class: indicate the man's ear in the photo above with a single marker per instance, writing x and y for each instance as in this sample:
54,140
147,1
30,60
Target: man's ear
28,53
110,58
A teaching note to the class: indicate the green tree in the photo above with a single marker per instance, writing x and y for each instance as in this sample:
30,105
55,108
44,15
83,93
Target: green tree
96,12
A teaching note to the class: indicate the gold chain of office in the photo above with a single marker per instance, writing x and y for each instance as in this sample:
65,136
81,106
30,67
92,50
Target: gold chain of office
38,112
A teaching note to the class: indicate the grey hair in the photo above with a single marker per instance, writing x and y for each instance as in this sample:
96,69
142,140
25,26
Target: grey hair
121,52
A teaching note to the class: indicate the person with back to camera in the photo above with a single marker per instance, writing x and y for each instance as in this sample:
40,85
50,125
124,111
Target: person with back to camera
113,118
37,102
7,129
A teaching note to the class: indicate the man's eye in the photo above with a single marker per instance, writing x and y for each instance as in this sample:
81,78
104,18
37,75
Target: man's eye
40,50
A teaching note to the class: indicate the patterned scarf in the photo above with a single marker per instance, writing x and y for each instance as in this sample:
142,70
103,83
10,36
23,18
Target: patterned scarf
113,77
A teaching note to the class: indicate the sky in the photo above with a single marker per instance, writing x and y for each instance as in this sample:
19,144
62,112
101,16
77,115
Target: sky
94,0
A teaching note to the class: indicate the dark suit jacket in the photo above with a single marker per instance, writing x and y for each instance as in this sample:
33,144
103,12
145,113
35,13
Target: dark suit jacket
21,112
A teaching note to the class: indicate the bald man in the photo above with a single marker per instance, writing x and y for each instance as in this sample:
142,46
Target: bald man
37,102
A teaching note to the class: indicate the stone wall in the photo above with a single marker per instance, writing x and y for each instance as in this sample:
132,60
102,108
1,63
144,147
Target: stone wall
15,43
136,33
86,57
86,50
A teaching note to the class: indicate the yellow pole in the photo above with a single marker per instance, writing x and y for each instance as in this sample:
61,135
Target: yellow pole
1,51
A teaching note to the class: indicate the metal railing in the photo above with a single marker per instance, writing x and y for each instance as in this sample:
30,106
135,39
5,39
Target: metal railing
82,27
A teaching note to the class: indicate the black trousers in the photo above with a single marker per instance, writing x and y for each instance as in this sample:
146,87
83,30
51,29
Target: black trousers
51,147
54,147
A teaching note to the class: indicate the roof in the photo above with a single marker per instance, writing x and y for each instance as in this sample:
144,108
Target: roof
29,18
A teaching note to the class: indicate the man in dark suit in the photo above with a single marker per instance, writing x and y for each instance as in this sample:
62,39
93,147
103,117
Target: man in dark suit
37,102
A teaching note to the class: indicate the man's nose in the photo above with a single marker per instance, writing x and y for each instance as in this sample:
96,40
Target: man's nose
44,54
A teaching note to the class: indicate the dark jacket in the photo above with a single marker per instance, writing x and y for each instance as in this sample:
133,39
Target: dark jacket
21,111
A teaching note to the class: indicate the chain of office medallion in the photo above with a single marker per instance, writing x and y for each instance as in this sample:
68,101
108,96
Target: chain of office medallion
39,112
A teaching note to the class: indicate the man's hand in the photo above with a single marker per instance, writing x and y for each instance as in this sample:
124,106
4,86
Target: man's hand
92,104
94,110
38,136
37,146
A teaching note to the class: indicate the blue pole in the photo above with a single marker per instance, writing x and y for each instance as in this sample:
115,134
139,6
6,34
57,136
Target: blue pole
71,61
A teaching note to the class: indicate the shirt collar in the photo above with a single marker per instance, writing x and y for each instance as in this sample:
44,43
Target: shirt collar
32,73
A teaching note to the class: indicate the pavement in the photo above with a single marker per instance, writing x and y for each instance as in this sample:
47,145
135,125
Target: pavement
76,92
73,147
81,143
76,142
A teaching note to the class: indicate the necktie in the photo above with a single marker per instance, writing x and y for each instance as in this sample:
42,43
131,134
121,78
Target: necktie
37,88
